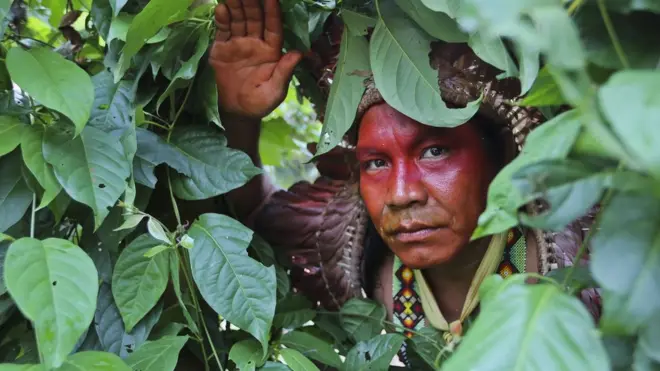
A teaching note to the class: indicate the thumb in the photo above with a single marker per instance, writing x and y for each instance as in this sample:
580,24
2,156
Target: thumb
284,69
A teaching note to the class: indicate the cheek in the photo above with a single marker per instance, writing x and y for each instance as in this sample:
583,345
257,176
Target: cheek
372,197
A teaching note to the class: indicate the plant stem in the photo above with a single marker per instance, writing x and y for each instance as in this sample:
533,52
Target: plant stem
157,125
191,287
172,198
612,33
574,6
34,212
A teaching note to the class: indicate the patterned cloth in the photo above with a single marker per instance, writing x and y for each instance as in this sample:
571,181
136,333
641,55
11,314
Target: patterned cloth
408,312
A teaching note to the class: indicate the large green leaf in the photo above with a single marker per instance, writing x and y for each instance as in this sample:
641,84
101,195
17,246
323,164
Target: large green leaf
492,51
15,196
631,103
138,282
101,14
33,156
437,24
214,168
117,5
156,14
630,223
399,52
374,354
91,167
362,319
110,328
312,347
346,91
54,284
552,140
159,355
544,92
114,105
205,95
186,73
526,327
53,81
297,361
358,24
4,12
11,130
236,286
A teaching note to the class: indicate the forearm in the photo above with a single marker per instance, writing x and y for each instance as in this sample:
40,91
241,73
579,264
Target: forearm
243,134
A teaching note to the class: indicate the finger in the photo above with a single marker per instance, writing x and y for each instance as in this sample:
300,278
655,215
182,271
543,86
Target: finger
284,69
222,22
254,18
273,24
237,26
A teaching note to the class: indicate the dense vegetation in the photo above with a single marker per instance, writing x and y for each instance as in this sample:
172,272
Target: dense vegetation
111,148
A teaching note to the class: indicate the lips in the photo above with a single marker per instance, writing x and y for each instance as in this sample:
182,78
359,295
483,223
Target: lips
414,232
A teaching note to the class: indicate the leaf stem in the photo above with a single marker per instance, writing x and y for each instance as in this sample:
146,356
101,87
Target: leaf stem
157,125
34,212
172,198
612,33
574,6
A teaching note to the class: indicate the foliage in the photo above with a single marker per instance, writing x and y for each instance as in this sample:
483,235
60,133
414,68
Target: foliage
104,103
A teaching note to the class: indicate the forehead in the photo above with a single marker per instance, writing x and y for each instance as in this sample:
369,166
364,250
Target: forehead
383,124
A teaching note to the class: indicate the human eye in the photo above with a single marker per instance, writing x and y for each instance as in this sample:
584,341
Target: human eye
375,164
434,152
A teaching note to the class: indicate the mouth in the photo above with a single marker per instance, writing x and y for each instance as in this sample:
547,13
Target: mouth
414,233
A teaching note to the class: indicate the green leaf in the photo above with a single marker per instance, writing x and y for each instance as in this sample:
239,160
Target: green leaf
429,345
445,6
101,14
54,82
580,278
297,20
529,323
159,355
156,231
157,250
188,69
110,328
312,347
113,106
4,12
121,24
147,23
375,353
205,95
362,319
631,103
399,53
276,141
437,24
54,285
175,272
90,167
357,24
346,91
33,156
214,168
570,189
629,221
492,51
15,196
247,354
152,150
552,140
97,361
138,282
117,5
293,311
649,340
11,130
131,222
544,92
274,366
236,286
296,361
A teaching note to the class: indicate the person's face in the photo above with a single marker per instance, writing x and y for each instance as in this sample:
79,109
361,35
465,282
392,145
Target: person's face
424,187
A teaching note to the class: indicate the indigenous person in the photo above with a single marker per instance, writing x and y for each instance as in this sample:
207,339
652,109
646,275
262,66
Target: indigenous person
396,223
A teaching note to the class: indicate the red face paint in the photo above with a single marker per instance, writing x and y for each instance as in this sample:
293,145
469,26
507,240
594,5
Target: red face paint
424,187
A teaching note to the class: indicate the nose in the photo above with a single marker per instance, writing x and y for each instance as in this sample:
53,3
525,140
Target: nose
405,187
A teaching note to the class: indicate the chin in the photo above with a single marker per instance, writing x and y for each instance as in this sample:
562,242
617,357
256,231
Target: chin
423,257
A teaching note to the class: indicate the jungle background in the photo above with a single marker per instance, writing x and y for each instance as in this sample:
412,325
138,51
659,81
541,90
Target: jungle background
113,166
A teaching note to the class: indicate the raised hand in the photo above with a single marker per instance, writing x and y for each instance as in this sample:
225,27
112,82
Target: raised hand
250,70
